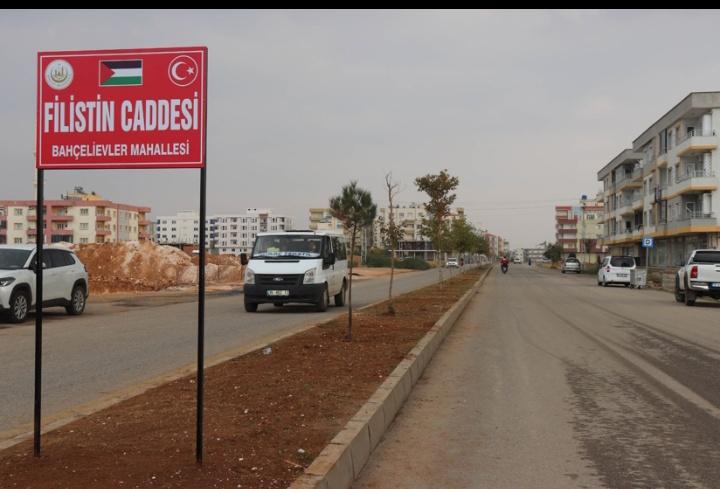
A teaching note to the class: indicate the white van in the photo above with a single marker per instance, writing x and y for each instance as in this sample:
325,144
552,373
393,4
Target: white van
616,270
296,266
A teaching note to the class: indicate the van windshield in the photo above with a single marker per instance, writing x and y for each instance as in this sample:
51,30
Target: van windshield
283,246
13,259
622,261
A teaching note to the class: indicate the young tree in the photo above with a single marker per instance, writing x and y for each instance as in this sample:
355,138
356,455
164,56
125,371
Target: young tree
554,252
391,233
462,237
355,209
439,188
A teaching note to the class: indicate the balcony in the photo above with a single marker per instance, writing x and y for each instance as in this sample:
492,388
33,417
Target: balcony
102,232
144,222
692,181
695,142
102,218
52,217
628,180
692,221
625,207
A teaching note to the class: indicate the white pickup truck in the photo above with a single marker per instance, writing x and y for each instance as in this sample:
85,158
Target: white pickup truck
699,277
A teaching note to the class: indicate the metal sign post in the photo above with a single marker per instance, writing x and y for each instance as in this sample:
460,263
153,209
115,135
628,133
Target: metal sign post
647,243
111,109
39,241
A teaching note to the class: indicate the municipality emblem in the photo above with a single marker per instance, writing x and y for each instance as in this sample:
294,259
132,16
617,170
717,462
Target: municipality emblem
59,74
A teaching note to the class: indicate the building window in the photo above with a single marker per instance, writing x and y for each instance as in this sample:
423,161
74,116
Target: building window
83,240
18,240
84,211
18,211
84,226
18,226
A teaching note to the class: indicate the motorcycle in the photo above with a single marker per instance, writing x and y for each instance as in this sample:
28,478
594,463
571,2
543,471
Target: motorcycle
504,268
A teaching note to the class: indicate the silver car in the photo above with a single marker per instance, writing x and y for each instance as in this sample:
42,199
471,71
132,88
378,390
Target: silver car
571,265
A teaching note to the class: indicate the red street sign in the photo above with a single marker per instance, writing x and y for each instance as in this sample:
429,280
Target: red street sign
136,108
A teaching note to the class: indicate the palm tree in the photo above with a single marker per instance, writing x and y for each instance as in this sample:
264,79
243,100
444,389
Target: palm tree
355,208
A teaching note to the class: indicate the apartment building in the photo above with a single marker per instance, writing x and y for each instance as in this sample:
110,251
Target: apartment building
666,185
73,219
321,219
409,217
225,233
579,229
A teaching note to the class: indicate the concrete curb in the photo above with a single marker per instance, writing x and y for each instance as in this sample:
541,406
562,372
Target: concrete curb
24,432
340,462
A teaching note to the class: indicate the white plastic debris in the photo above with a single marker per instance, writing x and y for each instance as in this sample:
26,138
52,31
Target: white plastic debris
267,351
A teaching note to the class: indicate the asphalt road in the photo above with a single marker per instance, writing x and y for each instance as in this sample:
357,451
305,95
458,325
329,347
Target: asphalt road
117,344
549,381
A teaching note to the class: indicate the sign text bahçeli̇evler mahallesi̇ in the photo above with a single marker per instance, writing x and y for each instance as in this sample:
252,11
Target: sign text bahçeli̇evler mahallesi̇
100,115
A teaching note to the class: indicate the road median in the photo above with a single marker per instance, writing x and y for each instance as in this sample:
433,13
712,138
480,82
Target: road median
269,413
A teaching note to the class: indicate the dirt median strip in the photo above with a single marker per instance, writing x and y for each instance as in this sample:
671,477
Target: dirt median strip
268,413
342,460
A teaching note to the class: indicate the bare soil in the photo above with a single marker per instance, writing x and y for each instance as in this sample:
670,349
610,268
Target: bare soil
267,416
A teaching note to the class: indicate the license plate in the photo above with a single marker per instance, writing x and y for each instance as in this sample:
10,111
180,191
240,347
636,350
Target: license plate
623,275
278,293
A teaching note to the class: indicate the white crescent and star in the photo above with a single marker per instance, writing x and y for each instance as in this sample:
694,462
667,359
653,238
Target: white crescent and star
174,71
182,70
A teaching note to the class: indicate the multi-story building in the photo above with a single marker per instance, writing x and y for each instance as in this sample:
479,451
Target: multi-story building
535,254
494,244
579,228
225,233
666,185
409,217
73,219
321,219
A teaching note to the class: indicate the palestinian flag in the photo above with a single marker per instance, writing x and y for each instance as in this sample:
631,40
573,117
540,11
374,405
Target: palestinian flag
116,73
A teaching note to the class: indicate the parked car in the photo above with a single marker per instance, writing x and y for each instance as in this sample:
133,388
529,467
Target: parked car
296,266
699,277
616,270
571,265
517,259
452,263
65,281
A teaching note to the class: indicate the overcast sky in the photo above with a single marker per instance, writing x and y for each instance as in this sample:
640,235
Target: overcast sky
524,107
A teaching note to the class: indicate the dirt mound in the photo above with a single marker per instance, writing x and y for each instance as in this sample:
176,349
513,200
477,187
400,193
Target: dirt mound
145,266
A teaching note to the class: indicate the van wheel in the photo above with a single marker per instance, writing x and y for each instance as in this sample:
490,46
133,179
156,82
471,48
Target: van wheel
250,306
340,297
19,307
604,282
77,301
277,304
679,295
324,300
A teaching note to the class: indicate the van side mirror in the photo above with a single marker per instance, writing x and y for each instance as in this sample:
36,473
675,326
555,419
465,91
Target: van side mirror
243,259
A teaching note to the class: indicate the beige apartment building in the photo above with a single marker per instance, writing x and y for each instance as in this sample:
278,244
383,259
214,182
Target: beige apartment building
579,229
76,218
322,220
666,185
409,217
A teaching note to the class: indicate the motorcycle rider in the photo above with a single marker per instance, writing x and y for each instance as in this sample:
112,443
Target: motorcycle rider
504,263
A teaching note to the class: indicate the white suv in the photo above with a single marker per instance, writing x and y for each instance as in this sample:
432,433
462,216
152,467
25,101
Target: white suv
65,280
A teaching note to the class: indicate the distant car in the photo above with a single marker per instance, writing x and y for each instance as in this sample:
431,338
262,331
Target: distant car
699,277
65,280
517,259
571,265
452,263
616,270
